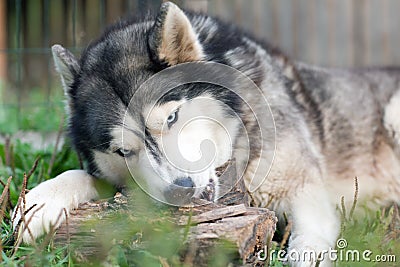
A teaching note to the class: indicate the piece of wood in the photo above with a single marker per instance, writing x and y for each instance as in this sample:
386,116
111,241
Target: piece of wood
213,215
249,233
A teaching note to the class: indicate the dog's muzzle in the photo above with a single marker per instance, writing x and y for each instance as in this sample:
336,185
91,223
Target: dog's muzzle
182,191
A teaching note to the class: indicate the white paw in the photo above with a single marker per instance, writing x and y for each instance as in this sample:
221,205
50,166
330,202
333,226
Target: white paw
305,252
47,204
315,228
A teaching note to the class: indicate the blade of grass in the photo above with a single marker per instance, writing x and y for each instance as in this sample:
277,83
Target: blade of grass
6,188
53,155
355,197
32,170
4,201
25,225
7,150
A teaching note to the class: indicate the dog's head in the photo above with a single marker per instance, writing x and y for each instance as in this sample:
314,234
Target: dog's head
130,116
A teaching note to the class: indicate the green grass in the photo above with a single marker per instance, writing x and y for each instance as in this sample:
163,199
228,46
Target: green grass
35,112
375,233
368,236
22,157
20,160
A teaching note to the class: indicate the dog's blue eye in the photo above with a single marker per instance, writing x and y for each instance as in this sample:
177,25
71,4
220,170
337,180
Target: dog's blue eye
172,118
125,153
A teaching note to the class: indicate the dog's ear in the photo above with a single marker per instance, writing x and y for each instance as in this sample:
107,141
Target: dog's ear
173,39
66,65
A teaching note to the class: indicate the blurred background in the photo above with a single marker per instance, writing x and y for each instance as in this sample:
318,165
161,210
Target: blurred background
338,33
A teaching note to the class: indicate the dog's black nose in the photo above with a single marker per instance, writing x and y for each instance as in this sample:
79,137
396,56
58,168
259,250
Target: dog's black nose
184,182
180,192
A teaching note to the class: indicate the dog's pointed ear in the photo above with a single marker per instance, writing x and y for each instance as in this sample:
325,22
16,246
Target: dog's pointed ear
173,39
66,65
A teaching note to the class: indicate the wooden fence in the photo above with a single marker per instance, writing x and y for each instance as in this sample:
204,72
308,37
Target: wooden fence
328,32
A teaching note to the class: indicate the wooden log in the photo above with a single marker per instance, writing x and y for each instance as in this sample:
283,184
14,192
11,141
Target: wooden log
230,219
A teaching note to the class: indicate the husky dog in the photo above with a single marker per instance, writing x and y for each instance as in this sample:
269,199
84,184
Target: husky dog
329,125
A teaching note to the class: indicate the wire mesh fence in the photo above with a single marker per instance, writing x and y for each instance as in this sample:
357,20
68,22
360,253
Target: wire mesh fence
342,33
